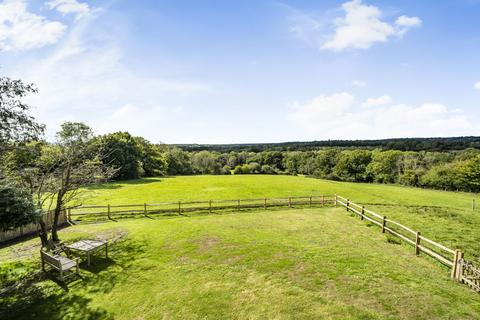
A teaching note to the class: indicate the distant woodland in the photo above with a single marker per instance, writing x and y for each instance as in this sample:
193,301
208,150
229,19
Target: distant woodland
402,144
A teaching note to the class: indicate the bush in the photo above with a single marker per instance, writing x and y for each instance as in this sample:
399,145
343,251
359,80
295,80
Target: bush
254,167
241,169
16,207
227,169
266,169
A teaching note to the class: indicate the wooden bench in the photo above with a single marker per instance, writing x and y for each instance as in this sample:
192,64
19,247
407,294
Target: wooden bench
64,265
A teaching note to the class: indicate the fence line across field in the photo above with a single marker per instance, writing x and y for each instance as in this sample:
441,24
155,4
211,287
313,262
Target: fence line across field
112,211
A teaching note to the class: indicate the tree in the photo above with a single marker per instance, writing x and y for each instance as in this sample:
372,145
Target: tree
469,174
268,169
442,176
16,207
15,124
272,158
352,165
152,161
411,169
242,169
254,167
16,127
205,162
76,166
178,161
292,162
62,170
325,162
121,151
384,166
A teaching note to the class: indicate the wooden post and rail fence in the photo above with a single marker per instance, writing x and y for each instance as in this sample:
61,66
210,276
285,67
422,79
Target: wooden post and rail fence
461,270
112,212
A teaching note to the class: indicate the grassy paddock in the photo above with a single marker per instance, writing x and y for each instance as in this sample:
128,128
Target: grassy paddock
442,216
286,263
297,263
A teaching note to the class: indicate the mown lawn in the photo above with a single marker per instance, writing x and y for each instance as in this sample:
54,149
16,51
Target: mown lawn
443,216
316,263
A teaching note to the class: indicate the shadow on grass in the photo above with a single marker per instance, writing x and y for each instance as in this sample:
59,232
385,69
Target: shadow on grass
122,183
39,295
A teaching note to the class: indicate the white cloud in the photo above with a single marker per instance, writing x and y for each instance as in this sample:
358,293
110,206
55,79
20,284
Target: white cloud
23,30
69,7
380,101
405,23
84,79
477,85
337,116
359,28
359,83
323,108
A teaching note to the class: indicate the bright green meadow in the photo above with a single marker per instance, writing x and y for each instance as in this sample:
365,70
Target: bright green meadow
299,263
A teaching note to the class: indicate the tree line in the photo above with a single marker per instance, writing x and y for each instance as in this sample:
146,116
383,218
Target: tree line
454,170
133,157
402,144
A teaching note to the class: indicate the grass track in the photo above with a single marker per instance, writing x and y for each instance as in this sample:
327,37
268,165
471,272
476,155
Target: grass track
298,263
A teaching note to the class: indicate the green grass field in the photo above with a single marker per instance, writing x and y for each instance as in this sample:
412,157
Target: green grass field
301,263
443,216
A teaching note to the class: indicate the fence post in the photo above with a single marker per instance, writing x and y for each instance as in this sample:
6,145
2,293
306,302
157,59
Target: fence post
384,223
108,211
69,214
179,207
453,275
289,202
145,209
473,204
363,212
348,204
265,204
459,275
323,200
210,206
310,201
238,205
336,200
417,243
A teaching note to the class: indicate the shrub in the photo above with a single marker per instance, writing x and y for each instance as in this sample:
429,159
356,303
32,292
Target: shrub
16,207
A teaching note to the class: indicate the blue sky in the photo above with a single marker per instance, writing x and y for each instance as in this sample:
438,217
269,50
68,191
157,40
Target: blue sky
249,71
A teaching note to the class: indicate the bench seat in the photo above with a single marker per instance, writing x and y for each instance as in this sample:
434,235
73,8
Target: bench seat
64,265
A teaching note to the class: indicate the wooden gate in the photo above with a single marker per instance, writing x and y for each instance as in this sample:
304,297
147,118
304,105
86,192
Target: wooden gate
470,275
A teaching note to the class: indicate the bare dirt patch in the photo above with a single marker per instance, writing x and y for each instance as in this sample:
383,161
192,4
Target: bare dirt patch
207,243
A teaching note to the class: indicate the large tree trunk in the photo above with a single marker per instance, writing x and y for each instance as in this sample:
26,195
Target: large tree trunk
56,215
43,233
58,208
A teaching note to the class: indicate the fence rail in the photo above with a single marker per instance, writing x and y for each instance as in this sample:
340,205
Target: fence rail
96,212
461,270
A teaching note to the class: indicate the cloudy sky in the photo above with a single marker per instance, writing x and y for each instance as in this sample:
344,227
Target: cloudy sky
249,71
